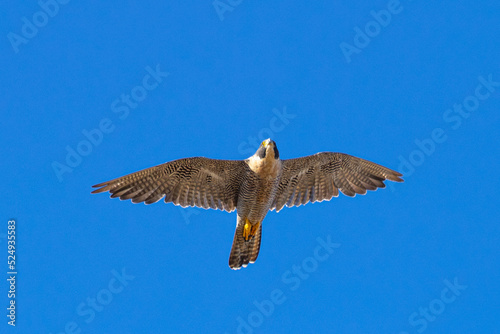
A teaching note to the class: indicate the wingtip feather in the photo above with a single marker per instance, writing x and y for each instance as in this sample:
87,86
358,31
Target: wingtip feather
100,190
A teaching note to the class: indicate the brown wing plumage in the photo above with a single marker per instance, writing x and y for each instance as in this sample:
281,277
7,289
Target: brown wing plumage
320,177
201,182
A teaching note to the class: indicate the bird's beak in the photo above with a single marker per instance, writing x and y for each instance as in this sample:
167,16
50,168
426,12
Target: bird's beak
265,143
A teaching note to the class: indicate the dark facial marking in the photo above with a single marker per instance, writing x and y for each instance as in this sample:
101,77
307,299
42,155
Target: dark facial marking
276,153
261,152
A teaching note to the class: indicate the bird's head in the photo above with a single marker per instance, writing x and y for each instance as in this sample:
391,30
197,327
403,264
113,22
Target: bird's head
268,150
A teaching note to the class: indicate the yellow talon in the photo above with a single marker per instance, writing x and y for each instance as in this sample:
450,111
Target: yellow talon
249,230
254,229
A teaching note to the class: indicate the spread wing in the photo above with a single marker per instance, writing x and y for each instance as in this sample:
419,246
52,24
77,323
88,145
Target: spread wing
320,177
201,182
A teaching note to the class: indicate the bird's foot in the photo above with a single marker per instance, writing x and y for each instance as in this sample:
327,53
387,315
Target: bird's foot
249,230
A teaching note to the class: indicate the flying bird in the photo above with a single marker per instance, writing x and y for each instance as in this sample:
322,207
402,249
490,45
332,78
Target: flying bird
252,187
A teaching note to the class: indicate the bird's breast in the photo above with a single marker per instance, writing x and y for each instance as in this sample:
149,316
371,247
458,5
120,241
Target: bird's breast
265,168
258,190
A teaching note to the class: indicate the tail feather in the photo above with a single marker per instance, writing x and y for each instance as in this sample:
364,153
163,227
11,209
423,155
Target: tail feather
244,252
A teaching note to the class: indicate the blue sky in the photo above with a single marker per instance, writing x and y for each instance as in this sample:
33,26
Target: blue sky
94,91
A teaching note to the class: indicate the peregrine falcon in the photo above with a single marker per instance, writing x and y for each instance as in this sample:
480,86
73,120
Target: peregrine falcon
252,187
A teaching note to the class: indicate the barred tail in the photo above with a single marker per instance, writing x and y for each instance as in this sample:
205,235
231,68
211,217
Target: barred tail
244,252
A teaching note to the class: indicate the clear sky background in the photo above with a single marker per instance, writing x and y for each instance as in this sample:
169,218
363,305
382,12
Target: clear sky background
412,85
